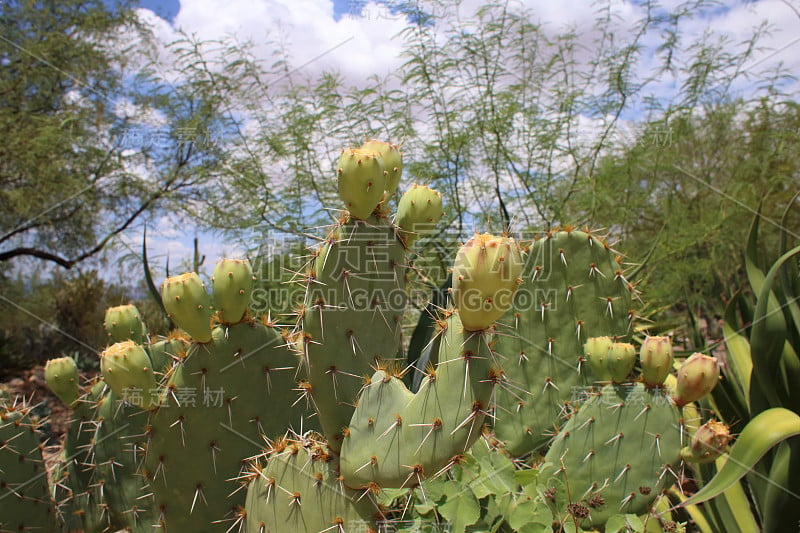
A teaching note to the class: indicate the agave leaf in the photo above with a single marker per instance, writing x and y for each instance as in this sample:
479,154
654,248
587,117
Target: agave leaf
148,278
739,360
758,437
768,335
755,272
701,520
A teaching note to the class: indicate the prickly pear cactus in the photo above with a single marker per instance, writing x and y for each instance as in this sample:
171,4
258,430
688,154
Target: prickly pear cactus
216,406
397,438
615,455
351,317
574,287
623,446
97,485
379,434
25,502
296,486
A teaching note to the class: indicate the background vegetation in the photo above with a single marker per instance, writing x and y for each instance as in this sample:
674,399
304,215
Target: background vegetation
518,127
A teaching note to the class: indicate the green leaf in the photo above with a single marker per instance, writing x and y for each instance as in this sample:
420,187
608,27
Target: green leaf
624,523
496,476
739,360
758,437
755,274
529,512
148,278
768,335
461,508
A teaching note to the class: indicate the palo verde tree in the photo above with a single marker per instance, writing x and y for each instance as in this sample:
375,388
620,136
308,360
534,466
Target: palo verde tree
79,161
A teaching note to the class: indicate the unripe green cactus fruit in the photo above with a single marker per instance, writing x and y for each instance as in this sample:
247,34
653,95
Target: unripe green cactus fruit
418,211
188,305
127,369
656,357
233,287
61,375
124,322
361,181
392,160
697,377
596,350
486,273
620,361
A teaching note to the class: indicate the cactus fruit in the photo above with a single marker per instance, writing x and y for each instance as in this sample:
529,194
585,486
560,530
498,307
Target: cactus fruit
574,288
188,305
25,502
124,322
620,361
61,375
126,367
233,287
361,181
656,360
596,351
708,443
697,376
486,274
392,160
418,211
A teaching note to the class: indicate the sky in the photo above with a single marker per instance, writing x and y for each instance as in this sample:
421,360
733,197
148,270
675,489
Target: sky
358,39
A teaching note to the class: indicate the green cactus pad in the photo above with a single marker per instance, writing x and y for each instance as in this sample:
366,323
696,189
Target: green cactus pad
188,305
25,502
80,506
392,160
351,319
233,287
124,323
221,402
119,438
614,456
574,288
397,438
418,211
361,181
296,487
61,375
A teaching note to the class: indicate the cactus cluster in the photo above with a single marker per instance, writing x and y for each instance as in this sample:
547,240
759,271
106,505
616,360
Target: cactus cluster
25,503
236,422
623,446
